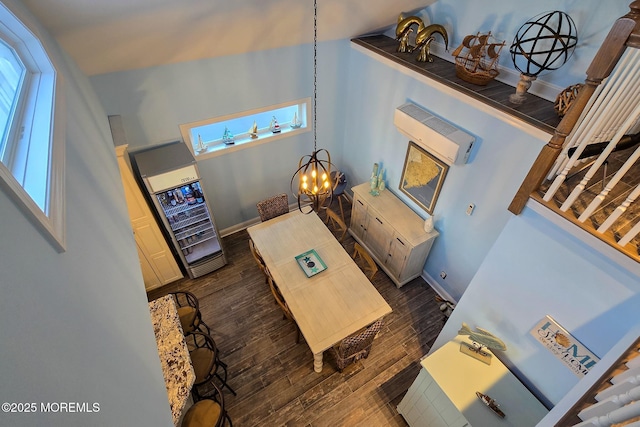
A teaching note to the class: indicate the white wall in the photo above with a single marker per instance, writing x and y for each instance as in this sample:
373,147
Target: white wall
498,162
75,326
153,103
504,149
536,269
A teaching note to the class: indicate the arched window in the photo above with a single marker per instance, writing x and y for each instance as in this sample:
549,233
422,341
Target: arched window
32,146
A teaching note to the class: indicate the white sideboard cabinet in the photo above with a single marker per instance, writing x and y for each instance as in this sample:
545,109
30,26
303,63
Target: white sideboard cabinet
444,393
392,233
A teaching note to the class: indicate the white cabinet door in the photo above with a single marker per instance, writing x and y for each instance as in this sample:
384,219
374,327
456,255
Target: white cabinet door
359,218
398,253
150,278
379,234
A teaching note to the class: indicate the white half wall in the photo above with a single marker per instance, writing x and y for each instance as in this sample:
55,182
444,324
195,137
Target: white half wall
535,269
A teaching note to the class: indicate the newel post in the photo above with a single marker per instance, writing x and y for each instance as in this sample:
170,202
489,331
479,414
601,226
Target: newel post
622,33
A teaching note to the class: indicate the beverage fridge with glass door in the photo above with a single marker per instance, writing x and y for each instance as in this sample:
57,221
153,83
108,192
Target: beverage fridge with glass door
170,176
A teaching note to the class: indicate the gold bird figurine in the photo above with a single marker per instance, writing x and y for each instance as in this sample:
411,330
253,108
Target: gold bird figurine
424,39
403,29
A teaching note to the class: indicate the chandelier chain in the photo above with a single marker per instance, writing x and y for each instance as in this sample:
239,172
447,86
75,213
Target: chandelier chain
312,179
315,72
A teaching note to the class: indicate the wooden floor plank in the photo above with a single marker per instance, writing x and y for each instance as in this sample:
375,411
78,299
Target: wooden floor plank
274,376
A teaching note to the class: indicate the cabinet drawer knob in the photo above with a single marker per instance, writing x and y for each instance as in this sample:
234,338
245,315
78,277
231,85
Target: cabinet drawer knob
378,219
401,242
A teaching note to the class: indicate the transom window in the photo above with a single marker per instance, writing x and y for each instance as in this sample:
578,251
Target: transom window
222,135
32,146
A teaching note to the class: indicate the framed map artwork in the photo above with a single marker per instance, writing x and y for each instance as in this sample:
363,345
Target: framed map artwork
422,177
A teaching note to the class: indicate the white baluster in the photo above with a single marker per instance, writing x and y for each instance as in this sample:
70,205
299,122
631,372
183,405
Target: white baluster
600,160
628,164
618,388
600,114
610,404
630,234
617,416
617,213
570,142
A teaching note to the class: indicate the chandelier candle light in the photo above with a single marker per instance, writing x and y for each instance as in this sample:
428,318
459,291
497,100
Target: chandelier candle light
314,171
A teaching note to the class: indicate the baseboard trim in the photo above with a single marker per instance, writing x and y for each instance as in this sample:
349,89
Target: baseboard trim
436,287
253,221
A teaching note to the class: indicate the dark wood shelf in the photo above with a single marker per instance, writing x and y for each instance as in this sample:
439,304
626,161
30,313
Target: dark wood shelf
535,111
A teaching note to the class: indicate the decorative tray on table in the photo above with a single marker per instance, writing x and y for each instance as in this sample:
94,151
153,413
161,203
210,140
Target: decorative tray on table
311,263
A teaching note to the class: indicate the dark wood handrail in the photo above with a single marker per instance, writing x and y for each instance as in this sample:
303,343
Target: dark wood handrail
624,32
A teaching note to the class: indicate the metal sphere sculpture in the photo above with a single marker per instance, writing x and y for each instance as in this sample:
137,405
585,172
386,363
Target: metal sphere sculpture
543,43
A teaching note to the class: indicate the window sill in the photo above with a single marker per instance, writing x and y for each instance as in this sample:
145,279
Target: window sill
242,142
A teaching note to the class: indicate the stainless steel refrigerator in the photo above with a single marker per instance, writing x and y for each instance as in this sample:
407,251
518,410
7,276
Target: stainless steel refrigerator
170,176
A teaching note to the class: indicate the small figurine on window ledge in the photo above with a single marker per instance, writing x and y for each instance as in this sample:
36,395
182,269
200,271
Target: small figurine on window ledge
295,122
253,131
201,148
274,126
227,137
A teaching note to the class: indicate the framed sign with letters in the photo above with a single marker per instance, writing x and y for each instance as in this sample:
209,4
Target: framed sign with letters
565,347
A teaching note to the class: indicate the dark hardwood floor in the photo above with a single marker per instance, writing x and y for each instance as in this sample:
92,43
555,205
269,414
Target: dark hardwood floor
274,377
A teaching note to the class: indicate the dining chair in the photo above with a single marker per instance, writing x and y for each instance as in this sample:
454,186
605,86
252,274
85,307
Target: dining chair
205,358
208,412
286,313
355,347
273,207
339,180
334,221
259,260
189,312
370,268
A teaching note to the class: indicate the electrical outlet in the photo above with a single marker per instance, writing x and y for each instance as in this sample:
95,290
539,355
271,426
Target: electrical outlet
470,208
443,274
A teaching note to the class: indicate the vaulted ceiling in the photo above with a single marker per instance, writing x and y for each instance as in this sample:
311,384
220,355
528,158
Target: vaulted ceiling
115,35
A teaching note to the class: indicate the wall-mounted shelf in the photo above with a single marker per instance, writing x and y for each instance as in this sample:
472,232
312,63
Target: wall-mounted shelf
535,111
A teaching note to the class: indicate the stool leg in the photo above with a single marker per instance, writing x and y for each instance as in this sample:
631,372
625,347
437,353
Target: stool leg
224,380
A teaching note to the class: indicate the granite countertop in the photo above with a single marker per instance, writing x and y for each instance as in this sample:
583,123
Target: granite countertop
174,354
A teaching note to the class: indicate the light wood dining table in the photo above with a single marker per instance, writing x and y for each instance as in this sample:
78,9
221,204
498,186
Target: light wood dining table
330,305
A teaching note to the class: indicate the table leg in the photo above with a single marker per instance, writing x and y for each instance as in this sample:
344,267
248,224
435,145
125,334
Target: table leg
317,362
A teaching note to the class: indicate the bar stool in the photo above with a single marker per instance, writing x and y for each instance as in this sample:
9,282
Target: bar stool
206,363
207,412
189,313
